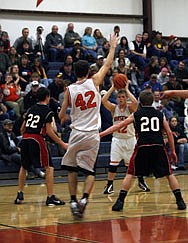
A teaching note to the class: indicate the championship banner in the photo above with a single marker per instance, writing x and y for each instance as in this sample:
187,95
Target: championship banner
38,2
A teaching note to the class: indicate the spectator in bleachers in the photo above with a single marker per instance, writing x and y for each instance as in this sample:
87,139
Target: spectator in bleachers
138,52
11,91
38,43
160,47
121,54
5,42
14,57
54,45
151,67
3,108
56,88
0,30
181,72
178,53
147,42
68,73
100,39
167,109
30,98
104,50
39,68
89,44
25,37
133,75
117,30
4,63
70,37
68,59
10,150
77,52
14,71
122,68
163,62
122,45
99,62
153,83
180,141
157,101
163,76
27,50
106,117
25,68
34,77
176,103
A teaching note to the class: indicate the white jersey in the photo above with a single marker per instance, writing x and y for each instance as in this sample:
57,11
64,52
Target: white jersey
85,103
123,132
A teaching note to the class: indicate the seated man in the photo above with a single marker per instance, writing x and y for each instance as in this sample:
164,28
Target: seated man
10,150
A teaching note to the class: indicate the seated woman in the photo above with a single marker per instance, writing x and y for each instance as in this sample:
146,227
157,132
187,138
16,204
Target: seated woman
12,91
38,68
180,141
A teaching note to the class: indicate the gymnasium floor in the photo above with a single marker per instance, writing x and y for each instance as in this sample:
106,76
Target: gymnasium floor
147,217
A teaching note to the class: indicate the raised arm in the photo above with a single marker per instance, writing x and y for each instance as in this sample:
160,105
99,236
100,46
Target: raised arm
99,76
105,100
116,127
133,106
173,93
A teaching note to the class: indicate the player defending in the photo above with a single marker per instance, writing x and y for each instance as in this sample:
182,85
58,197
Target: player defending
172,93
124,140
84,99
150,155
33,147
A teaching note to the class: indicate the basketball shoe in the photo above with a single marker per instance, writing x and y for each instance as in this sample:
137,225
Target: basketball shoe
75,209
143,186
181,204
118,206
19,198
108,189
82,205
53,200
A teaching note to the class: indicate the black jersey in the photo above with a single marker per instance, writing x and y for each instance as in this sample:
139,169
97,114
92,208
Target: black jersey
149,126
37,117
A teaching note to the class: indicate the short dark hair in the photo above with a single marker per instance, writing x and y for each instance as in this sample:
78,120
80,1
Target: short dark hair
42,93
146,98
81,68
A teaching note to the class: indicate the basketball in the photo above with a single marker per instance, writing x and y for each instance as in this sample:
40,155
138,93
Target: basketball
120,81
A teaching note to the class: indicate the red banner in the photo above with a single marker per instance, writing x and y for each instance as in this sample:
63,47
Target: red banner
38,2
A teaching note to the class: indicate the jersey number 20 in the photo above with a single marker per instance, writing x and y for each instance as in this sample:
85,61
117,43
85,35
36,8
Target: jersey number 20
149,124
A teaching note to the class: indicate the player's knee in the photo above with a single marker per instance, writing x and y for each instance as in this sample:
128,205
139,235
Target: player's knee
112,168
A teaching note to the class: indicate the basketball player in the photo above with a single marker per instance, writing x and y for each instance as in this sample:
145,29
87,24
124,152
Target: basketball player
149,155
84,99
124,140
34,150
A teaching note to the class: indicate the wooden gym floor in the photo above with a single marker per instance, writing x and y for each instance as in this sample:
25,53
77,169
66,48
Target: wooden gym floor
147,217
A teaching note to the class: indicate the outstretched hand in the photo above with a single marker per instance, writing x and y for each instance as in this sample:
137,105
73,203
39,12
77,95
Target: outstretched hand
114,40
173,157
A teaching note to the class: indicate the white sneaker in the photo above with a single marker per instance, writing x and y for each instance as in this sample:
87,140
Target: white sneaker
174,167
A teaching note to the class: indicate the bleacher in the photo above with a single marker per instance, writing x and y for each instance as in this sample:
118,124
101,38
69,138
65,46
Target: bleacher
10,170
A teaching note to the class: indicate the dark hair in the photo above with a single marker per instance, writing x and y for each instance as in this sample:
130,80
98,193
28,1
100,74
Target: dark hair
146,98
42,93
121,42
81,68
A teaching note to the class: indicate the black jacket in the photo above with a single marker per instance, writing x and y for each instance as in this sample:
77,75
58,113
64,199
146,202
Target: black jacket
5,147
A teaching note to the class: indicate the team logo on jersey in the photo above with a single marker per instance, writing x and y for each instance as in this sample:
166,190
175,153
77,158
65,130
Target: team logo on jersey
38,2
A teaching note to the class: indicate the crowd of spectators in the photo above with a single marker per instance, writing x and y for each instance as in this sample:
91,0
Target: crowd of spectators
150,62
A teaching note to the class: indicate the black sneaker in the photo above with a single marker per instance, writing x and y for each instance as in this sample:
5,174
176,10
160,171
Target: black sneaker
53,200
181,205
19,198
144,186
108,189
118,206
75,209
